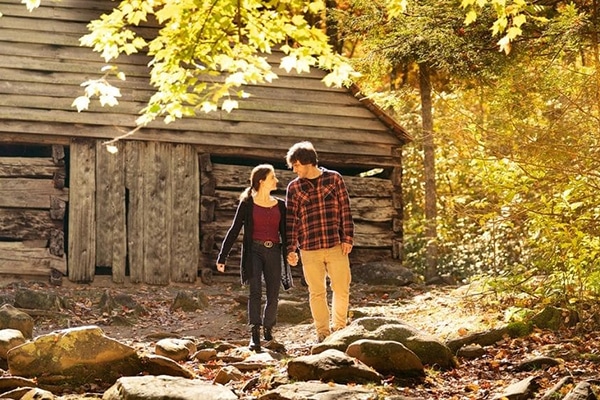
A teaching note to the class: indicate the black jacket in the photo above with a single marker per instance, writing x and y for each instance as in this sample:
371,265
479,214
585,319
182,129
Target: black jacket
243,218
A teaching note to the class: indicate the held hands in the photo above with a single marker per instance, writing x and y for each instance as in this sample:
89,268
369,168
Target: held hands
220,267
292,258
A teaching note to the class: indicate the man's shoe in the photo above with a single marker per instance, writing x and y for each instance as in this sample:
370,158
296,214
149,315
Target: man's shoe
255,338
268,334
321,337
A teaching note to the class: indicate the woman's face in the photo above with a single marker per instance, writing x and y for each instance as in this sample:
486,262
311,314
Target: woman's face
270,182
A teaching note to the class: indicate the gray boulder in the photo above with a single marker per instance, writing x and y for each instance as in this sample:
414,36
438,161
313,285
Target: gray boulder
38,300
10,338
331,365
293,312
429,349
166,388
316,390
383,273
387,357
12,318
175,349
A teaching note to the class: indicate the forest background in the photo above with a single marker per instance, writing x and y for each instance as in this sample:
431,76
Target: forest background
502,98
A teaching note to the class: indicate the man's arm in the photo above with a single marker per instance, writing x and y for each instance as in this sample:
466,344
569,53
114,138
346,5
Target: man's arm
346,221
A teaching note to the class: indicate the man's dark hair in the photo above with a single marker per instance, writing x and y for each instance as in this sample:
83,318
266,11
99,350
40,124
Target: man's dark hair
303,152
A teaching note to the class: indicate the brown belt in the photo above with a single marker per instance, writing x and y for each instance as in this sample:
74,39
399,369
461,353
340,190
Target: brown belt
267,243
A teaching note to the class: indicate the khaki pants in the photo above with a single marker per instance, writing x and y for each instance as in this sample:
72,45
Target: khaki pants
317,265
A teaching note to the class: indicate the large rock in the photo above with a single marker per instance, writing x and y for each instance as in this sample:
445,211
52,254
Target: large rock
429,349
175,349
77,355
319,391
152,364
111,301
166,388
190,301
38,300
383,273
331,365
293,312
12,318
387,357
10,338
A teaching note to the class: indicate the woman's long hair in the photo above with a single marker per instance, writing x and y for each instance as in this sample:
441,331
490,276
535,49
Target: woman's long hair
259,173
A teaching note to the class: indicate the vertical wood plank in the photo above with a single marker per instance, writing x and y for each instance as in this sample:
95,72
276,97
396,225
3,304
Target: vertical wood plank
111,248
398,204
157,217
134,184
82,230
185,237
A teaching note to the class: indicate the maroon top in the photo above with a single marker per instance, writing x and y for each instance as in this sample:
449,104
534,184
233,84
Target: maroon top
266,223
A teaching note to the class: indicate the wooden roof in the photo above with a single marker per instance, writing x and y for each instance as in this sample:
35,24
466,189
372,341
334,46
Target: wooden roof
42,67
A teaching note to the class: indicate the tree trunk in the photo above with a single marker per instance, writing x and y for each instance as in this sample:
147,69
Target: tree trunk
596,52
429,168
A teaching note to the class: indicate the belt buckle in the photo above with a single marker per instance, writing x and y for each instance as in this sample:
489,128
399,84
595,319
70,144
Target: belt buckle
268,244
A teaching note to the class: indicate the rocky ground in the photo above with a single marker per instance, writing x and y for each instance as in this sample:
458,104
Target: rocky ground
446,312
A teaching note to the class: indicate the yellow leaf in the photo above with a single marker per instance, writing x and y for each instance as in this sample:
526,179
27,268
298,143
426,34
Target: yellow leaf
519,20
470,17
513,32
316,6
298,20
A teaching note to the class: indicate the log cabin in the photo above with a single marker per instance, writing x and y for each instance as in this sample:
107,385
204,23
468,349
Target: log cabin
157,210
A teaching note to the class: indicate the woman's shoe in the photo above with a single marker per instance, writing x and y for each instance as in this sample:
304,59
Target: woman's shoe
255,338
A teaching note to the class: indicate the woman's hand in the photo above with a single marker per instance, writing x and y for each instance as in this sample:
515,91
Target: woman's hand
220,267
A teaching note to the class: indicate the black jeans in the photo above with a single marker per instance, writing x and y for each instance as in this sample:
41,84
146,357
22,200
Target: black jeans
266,262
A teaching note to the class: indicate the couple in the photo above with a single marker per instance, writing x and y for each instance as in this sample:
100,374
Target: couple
315,220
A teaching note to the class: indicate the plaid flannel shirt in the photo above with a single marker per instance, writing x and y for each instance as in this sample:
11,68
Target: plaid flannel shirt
318,216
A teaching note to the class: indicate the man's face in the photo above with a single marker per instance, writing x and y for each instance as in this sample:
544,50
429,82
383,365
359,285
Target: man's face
301,169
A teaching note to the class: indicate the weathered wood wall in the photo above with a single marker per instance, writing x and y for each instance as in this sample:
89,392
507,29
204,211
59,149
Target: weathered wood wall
33,201
374,209
134,212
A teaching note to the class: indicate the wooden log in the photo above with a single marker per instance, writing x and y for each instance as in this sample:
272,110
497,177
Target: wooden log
58,154
374,235
363,208
28,167
20,258
56,243
24,224
58,208
235,177
185,191
29,193
208,205
111,244
82,211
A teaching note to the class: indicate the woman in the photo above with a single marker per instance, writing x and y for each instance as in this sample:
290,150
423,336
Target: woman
263,218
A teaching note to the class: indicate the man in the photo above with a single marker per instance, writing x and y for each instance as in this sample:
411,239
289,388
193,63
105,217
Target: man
320,226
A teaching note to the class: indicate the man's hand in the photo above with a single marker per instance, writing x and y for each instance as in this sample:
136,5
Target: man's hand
220,267
346,248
